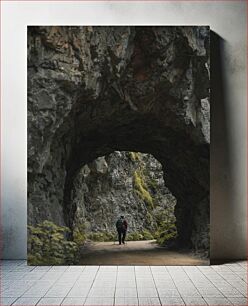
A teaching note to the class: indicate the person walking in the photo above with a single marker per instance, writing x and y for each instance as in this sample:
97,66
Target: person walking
121,227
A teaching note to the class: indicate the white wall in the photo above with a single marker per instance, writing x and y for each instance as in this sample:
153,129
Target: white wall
228,148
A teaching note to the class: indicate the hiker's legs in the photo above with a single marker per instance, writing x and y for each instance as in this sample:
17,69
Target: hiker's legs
119,236
123,236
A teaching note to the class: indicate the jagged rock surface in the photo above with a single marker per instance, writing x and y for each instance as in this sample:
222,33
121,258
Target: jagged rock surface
105,189
96,90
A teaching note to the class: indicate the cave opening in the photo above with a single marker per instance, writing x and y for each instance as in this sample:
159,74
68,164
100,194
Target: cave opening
123,129
123,183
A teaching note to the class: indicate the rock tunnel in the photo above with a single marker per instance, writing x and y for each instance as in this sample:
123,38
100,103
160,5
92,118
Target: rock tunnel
96,90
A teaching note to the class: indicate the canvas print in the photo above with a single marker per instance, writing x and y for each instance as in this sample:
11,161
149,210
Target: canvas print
118,145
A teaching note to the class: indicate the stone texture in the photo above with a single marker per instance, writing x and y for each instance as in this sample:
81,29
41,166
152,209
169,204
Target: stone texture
96,90
105,189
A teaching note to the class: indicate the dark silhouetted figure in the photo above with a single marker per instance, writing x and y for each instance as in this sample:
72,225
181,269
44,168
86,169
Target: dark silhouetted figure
121,226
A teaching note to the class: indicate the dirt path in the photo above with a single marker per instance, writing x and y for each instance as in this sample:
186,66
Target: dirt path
135,253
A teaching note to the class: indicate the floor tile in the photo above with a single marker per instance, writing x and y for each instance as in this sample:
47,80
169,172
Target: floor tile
13,293
50,301
189,293
33,276
79,291
42,268
83,279
104,284
149,301
147,292
108,268
166,301
125,283
126,292
58,291
58,268
15,275
209,292
122,301
75,269
73,301
91,269
125,269
24,268
143,269
126,275
7,300
239,301
217,301
99,301
161,276
165,284
164,292
37,291
230,292
194,301
145,283
102,292
27,301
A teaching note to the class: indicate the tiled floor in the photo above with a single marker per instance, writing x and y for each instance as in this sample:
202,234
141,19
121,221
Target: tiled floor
123,285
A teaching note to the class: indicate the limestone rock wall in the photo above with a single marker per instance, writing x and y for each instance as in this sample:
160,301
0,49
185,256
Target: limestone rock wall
106,188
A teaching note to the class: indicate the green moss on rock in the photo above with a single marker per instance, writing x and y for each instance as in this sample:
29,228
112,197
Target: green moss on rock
166,232
141,188
137,236
147,235
79,235
134,156
48,245
134,236
101,236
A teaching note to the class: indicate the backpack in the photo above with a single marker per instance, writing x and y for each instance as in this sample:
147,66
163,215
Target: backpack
119,224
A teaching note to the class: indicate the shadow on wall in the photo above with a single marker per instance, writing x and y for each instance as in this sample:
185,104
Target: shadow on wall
221,173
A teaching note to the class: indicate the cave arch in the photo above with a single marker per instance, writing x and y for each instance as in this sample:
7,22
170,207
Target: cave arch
95,90
178,155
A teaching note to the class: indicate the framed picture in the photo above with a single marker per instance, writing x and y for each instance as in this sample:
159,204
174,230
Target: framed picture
118,145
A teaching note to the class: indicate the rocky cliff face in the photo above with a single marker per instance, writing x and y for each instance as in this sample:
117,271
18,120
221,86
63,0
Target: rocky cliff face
122,183
96,90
